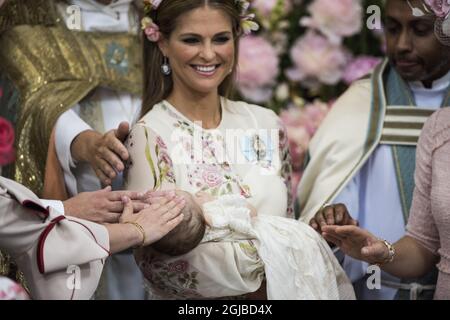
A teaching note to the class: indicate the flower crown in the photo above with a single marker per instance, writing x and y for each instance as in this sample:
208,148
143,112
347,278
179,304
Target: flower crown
153,34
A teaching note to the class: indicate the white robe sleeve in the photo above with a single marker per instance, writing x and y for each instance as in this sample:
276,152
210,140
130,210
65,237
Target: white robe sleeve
55,204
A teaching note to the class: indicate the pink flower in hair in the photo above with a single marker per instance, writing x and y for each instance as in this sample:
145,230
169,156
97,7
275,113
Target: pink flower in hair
441,8
151,29
7,154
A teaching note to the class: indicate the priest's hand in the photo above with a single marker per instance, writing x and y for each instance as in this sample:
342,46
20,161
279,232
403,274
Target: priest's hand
105,153
357,243
104,206
336,214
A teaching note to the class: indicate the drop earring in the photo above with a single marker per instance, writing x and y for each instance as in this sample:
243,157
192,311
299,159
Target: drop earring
165,67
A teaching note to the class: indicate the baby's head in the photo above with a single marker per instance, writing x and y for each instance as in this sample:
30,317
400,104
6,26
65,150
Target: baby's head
188,234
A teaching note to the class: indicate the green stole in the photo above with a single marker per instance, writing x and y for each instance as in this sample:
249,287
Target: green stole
401,126
403,135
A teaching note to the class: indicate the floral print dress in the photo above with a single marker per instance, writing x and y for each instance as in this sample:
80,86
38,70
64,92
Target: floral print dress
169,151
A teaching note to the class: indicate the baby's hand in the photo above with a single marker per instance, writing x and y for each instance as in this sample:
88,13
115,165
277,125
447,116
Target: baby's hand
253,212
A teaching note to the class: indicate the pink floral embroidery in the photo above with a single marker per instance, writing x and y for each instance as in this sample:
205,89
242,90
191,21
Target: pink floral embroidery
441,8
212,177
211,173
165,164
282,136
160,142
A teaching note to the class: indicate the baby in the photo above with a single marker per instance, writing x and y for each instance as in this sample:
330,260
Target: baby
298,263
190,232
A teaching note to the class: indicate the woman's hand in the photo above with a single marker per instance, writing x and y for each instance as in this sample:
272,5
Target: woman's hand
103,206
202,197
105,153
357,243
157,220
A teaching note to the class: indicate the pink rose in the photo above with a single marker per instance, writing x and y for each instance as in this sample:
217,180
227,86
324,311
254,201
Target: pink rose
335,19
6,142
282,136
266,7
178,266
298,144
152,34
441,8
317,59
301,125
359,67
258,68
212,177
151,29
165,158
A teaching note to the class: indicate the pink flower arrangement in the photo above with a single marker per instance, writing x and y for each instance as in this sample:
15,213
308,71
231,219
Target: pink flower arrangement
441,8
301,124
151,30
10,290
359,67
335,19
258,68
6,142
316,58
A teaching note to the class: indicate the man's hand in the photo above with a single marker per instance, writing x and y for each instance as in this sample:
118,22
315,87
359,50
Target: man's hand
357,243
158,219
103,206
105,153
336,214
